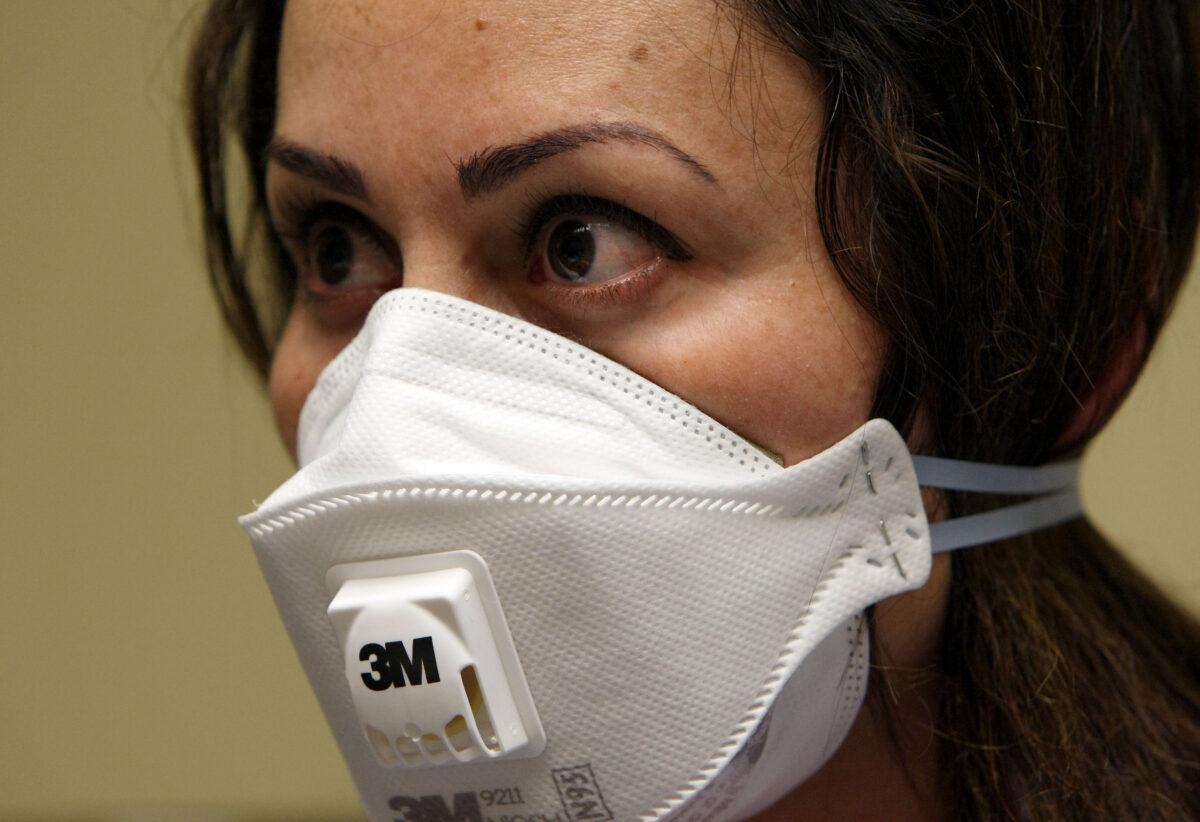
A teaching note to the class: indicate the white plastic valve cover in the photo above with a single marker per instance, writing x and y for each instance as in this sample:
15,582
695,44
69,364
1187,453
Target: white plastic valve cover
430,663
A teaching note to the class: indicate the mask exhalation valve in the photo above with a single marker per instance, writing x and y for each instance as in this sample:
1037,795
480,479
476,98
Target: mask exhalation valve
430,663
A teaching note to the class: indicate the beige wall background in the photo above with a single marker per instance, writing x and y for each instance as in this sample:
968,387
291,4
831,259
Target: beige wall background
144,673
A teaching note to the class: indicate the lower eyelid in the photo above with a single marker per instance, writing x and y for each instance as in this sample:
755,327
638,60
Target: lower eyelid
620,291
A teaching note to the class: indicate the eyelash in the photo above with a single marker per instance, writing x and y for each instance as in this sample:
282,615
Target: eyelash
300,213
543,207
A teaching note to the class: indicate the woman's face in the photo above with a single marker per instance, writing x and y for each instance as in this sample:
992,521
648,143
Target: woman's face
636,176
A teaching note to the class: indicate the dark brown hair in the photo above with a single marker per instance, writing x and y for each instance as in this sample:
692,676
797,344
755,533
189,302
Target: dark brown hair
1010,188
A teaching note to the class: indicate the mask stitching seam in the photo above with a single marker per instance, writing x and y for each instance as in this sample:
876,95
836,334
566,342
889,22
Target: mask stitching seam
718,505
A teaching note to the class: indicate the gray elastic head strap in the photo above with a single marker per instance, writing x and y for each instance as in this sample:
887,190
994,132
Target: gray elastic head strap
1054,488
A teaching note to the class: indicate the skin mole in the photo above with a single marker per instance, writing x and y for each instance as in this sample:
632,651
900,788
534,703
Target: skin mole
639,53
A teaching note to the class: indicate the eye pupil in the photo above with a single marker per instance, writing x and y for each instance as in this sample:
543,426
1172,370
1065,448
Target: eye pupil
572,250
334,255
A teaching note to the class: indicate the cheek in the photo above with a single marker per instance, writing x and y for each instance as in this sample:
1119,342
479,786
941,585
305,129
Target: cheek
793,369
790,400
303,352
288,387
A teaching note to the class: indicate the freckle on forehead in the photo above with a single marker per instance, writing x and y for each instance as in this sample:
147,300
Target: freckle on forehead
639,53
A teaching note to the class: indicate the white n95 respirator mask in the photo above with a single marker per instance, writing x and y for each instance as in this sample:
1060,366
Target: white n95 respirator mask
525,582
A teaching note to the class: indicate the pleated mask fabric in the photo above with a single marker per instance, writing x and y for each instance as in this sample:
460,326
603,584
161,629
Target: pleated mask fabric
686,613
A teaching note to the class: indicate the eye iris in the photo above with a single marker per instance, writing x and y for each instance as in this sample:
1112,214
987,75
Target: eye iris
571,250
334,255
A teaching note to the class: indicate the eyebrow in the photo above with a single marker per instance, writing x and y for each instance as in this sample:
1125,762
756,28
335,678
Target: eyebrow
489,169
496,166
339,175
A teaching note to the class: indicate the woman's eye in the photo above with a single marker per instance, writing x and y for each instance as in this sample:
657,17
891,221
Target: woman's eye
341,258
587,250
337,251
333,255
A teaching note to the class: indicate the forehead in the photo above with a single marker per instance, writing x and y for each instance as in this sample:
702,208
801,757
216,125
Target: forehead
455,75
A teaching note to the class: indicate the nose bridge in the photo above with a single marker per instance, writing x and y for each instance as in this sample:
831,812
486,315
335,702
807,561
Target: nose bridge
438,259
446,276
